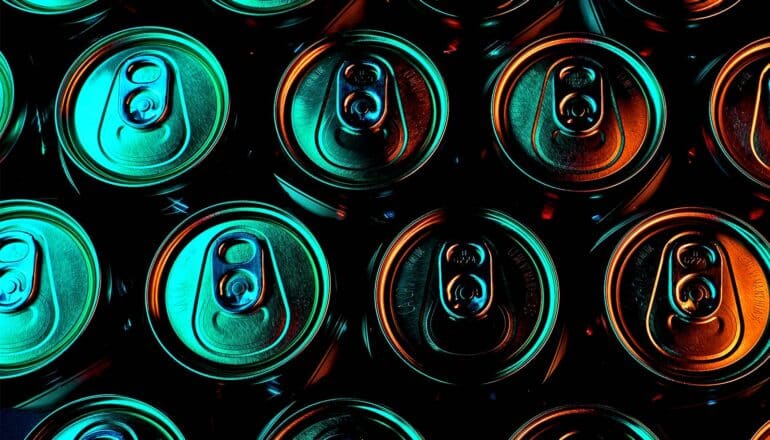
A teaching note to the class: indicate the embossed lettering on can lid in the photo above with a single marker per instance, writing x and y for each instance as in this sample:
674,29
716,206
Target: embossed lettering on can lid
685,12
106,417
340,418
578,113
361,110
51,7
583,421
466,298
50,284
686,295
262,7
238,290
142,106
739,113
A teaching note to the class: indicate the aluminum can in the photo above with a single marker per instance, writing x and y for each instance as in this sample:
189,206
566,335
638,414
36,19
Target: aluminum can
583,421
13,109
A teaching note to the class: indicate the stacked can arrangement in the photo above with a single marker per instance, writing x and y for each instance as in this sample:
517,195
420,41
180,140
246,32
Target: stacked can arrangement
348,219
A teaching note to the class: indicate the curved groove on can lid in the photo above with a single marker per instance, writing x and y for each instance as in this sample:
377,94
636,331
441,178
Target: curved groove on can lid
339,418
50,7
583,421
578,113
262,7
238,290
142,106
687,295
106,416
361,110
684,11
487,9
489,330
50,283
739,113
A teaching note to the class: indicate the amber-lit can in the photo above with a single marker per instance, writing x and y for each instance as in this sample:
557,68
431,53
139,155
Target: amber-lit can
359,115
763,433
580,118
686,301
736,129
59,322
583,421
339,418
466,299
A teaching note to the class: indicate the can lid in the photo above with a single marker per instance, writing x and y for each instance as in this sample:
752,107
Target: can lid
763,433
687,12
583,421
238,290
578,113
50,283
686,294
106,416
361,110
486,9
142,106
7,101
466,298
739,113
50,7
340,418
262,7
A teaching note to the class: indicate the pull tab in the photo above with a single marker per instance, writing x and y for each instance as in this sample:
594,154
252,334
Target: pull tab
237,263
362,94
465,277
143,87
693,312
18,270
578,128
108,431
760,126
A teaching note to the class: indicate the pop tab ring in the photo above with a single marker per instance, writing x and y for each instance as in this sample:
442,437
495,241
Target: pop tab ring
340,418
361,110
739,114
583,421
142,107
50,284
578,113
686,294
466,298
238,290
106,417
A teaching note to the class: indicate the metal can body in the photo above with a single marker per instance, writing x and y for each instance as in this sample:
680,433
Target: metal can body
70,18
140,109
242,292
686,297
587,421
338,418
106,416
467,299
582,119
52,303
357,115
13,109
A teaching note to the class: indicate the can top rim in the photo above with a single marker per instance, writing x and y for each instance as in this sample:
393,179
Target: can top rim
747,233
25,6
102,402
634,425
73,81
513,7
8,93
649,85
256,11
696,17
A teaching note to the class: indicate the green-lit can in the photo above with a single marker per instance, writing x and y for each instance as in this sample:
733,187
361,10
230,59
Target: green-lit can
358,114
340,418
467,298
584,421
141,109
70,17
283,14
106,417
582,118
13,109
51,284
242,291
